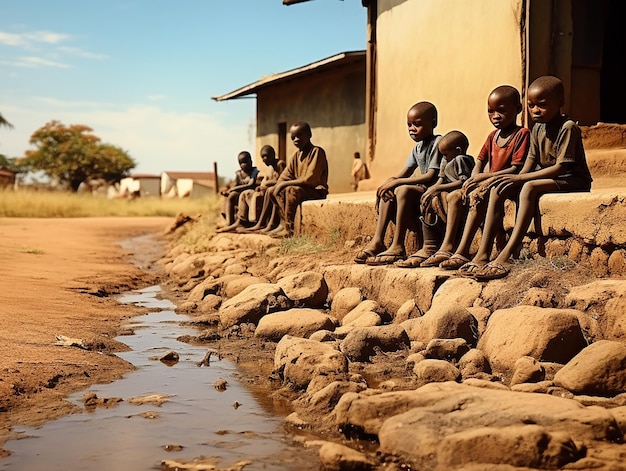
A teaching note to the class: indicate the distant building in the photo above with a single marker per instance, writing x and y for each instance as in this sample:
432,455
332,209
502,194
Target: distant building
7,177
328,94
189,184
141,184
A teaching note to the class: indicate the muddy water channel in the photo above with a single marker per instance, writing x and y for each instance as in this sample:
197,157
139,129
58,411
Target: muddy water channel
227,428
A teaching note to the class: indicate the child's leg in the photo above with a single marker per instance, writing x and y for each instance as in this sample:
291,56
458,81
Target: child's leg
456,218
493,222
407,216
264,219
529,196
231,206
385,211
475,215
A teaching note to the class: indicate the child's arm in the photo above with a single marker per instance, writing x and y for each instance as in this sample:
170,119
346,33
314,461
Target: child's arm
504,181
392,182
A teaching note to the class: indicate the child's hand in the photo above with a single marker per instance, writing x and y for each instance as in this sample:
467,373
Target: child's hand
386,187
504,182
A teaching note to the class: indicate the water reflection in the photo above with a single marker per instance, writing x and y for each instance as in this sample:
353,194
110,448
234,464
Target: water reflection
195,419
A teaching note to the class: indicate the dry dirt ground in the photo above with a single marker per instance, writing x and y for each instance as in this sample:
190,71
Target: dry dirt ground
58,277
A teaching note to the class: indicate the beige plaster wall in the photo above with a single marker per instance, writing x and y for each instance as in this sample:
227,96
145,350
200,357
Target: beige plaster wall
333,104
449,52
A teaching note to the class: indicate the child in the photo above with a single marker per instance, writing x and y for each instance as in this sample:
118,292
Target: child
556,147
248,207
245,178
305,178
504,151
359,171
456,168
398,198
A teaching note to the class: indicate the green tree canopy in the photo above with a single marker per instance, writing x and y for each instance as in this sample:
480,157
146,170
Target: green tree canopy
73,155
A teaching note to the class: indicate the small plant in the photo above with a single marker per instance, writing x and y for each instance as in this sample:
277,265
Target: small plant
300,244
561,263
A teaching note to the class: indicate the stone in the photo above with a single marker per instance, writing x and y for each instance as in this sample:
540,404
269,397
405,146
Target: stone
297,322
599,369
305,289
252,303
345,300
297,361
363,343
543,334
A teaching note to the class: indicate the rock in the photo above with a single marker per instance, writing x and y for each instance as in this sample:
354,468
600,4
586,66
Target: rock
220,384
528,446
234,286
417,284
297,322
443,321
461,291
336,457
208,286
344,301
305,289
474,363
446,349
599,369
298,360
527,370
362,343
252,303
170,358
408,310
326,398
417,424
540,297
543,334
435,371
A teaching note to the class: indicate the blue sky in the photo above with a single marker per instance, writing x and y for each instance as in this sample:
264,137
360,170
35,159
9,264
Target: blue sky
141,73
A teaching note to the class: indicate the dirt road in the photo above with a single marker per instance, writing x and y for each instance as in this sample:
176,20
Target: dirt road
59,277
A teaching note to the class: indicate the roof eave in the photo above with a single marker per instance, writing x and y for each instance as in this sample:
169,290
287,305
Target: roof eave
252,87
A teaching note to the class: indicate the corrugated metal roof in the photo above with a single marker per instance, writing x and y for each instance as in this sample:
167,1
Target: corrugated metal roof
332,61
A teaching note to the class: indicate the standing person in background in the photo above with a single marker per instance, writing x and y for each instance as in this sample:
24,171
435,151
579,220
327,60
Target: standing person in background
359,171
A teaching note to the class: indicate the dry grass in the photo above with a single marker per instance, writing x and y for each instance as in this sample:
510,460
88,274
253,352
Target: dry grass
38,204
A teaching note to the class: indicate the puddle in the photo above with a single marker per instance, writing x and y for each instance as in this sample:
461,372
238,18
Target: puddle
196,420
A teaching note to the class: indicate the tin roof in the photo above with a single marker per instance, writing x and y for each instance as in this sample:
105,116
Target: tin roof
319,66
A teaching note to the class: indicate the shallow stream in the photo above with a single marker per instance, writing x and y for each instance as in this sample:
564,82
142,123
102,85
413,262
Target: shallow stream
230,428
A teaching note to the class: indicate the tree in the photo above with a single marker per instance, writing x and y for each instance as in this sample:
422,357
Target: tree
72,155
4,122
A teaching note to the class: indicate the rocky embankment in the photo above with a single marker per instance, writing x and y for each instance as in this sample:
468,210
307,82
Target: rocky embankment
418,368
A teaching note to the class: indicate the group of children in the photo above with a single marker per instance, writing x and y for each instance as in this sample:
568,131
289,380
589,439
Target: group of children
441,193
269,203
446,195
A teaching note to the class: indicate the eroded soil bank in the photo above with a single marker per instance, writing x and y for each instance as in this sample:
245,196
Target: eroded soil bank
57,279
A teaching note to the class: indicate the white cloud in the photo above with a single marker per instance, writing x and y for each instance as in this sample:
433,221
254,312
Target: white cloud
27,39
76,51
157,97
32,61
157,139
